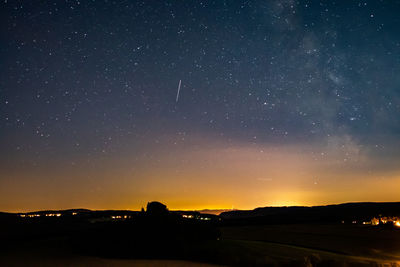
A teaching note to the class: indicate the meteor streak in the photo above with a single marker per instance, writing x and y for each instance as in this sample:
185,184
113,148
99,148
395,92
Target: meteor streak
179,88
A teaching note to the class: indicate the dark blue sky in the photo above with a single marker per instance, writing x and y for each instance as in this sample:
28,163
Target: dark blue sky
84,83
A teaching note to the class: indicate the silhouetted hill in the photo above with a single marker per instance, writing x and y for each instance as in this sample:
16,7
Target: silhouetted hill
300,214
6,214
155,233
215,211
6,217
241,238
69,211
269,215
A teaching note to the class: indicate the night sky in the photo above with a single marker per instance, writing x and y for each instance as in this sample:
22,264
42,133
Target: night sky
281,102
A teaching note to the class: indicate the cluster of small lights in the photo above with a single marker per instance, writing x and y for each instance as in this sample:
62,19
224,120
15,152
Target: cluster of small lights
120,217
195,217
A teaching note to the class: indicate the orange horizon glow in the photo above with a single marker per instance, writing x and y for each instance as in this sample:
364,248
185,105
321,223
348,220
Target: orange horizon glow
212,174
201,208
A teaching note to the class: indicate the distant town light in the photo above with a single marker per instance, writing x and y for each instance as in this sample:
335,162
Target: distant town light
53,215
375,221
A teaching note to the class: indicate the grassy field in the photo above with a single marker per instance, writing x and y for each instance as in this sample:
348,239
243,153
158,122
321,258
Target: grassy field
343,244
227,252
55,252
257,245
260,253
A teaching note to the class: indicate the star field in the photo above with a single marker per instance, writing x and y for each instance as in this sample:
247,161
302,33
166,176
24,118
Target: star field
88,99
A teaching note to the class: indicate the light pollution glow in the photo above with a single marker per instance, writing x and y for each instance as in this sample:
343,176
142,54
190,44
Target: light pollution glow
280,103
207,173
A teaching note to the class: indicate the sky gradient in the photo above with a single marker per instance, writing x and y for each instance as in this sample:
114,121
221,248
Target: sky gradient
281,103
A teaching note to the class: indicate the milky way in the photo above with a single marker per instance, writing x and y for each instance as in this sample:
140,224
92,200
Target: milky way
281,102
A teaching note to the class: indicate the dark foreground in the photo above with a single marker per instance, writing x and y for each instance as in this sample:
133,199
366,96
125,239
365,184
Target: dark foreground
181,243
263,237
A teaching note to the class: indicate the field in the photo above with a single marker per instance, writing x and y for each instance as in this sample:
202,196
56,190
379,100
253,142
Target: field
337,244
254,245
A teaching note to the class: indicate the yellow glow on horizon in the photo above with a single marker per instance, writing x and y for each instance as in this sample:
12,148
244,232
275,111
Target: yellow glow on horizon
214,175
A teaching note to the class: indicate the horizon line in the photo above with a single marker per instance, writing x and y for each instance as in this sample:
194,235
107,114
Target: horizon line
211,209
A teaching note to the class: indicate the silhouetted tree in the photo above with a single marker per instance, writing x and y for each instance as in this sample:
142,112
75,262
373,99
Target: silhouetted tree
156,208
